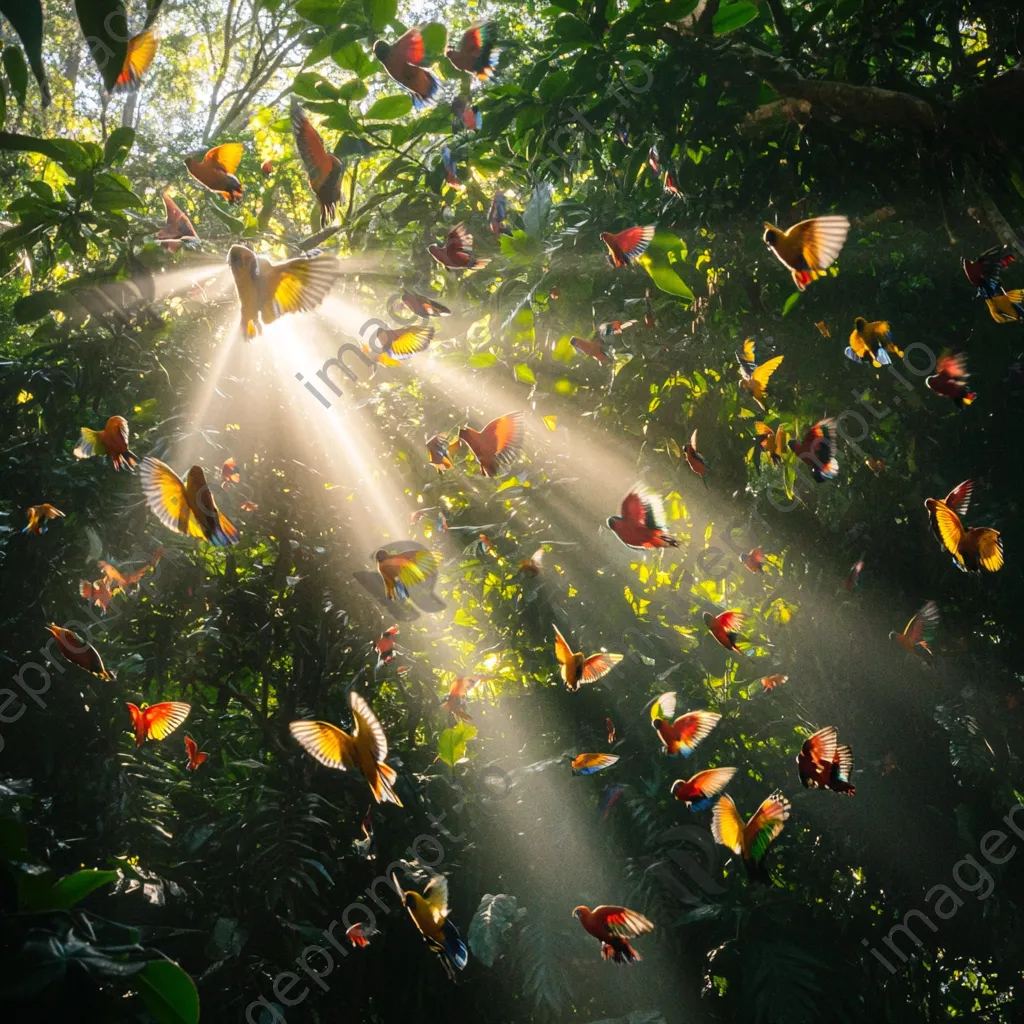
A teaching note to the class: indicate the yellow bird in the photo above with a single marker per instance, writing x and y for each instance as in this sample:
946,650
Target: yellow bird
270,290
575,669
872,341
364,751
773,443
38,516
974,548
809,248
405,569
430,915
1008,307
185,506
753,378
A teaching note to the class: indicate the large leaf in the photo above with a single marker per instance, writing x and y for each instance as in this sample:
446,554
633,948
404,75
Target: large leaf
169,993
381,13
451,744
389,107
117,146
26,18
352,57
666,253
537,209
65,893
105,27
731,16
435,38
489,927
17,72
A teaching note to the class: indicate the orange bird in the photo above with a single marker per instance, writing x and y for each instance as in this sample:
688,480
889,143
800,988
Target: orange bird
38,515
723,628
950,379
268,290
641,521
229,473
405,569
703,789
770,682
324,170
364,751
440,448
754,561
123,582
610,327
627,246
824,765
111,441
610,726
97,593
817,450
958,500
477,53
468,117
394,347
613,927
185,506
141,51
216,171
872,342
588,764
532,566
195,756
360,933
809,248
403,61
457,251
422,306
974,548
177,229
455,702
919,633
695,460
157,721
497,445
385,646
591,347
680,736
575,669
751,840
79,651
773,443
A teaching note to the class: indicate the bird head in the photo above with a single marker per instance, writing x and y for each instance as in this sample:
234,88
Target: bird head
612,520
709,619
675,786
860,323
771,233
380,555
894,635
242,260
580,911
381,50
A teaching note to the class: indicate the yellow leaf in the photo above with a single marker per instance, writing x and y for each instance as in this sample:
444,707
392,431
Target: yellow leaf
550,422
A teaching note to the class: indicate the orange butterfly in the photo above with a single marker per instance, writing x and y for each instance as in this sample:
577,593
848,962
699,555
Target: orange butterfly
157,721
195,757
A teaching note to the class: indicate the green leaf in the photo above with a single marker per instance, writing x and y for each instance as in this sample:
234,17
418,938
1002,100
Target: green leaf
790,303
524,374
478,360
732,16
451,744
490,925
26,18
435,38
169,993
381,13
537,209
662,12
353,89
118,143
65,893
112,192
310,85
570,29
326,13
74,157
665,253
105,27
17,72
30,308
389,107
352,57
236,224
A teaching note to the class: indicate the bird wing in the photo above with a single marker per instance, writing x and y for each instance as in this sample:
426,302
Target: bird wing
327,743
622,922
597,666
165,496
767,822
959,499
367,725
762,374
821,747
226,157
820,239
949,527
298,285
726,824
162,719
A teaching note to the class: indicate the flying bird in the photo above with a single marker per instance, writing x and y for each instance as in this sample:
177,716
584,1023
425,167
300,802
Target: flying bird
466,115
98,593
724,628
610,728
575,669
750,840
753,378
855,571
457,251
79,651
703,789
141,51
477,53
532,566
157,721
613,927
229,473
641,521
817,450
613,327
195,756
111,441
588,764
422,306
360,933
681,736
439,450
973,548
591,347
958,500
823,764
919,634
769,683
872,342
496,446
185,506
364,847
39,516
455,702
216,171
403,60
754,560
496,214
809,248
1007,307
394,347
405,569
695,460
627,246
767,442
384,646
177,229
451,173
323,170
950,379
983,273
430,915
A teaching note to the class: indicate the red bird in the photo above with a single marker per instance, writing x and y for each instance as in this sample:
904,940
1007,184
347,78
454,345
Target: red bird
466,115
575,668
79,651
824,765
701,791
457,251
681,736
477,53
695,460
627,246
360,933
919,633
455,702
613,927
610,327
229,474
157,721
216,171
983,273
403,62
950,379
591,347
177,229
723,628
385,646
610,726
324,170
111,441
422,306
754,561
195,756
497,445
652,159
641,521
98,593
770,682
817,450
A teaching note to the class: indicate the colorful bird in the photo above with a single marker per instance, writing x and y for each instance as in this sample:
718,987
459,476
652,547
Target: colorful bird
98,593
496,446
649,320
323,170
950,378
248,506
588,764
641,521
754,560
394,347
773,443
422,306
268,290
575,669
404,569
974,548
824,765
195,756
627,246
751,841
695,460
141,51
177,229
983,273
455,702
753,378
591,347
652,160
496,214
157,721
671,185
403,60
79,651
610,726
216,171
111,441
703,789
680,736
466,115
451,173
724,628
613,927
440,449
855,571
919,634
872,342
360,933
769,683
39,516
185,506
477,53
1007,307
958,500
457,251
817,450
229,473
809,248
613,327
125,581
532,566
384,645
365,750
430,915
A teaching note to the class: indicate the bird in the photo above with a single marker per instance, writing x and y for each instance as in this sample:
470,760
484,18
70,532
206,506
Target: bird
177,230
591,347
612,327
754,560
97,593
439,450
323,170
477,53
185,506
111,441
652,160
195,756
394,347
360,933
974,548
497,445
267,291
403,60
404,569
141,51
701,790
229,473
610,729
825,765
750,840
773,443
770,682
753,378
79,651
855,571
216,171
1006,307
681,735
958,500
588,764
365,847
950,379
983,273
466,115
422,306
694,459
575,669
451,173
455,702
872,342
613,927
365,750
641,521
919,633
384,646
496,214
39,516
627,246
724,628
122,582
157,721
457,251
532,566
809,248
429,913
817,450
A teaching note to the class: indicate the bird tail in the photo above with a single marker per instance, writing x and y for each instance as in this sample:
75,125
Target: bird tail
454,948
225,533
621,952
967,399
126,460
384,788
251,327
